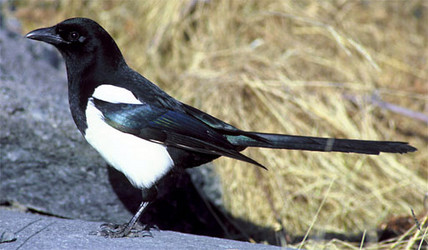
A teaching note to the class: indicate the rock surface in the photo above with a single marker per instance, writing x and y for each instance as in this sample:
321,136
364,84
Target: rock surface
32,231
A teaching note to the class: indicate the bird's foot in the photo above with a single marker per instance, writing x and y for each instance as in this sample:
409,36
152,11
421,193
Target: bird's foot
110,230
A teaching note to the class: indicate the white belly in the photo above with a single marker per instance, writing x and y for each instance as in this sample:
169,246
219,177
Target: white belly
142,161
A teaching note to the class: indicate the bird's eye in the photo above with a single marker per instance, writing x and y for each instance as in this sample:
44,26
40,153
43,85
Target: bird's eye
73,36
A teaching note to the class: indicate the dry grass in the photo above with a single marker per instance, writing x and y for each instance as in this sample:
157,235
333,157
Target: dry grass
295,67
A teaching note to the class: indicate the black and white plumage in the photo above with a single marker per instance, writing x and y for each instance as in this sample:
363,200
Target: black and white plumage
120,149
142,131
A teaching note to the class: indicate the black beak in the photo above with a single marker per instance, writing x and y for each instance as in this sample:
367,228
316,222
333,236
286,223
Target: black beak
47,35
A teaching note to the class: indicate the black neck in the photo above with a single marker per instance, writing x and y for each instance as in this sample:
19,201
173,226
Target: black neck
83,79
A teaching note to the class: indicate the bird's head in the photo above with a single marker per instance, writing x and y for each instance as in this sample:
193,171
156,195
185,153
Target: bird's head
80,41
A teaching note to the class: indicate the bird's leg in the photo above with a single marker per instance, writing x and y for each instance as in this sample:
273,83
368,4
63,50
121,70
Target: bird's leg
132,228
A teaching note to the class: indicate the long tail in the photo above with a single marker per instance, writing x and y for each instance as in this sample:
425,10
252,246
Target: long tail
254,139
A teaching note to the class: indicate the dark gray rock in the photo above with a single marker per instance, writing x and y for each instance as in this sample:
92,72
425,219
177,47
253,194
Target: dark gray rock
41,232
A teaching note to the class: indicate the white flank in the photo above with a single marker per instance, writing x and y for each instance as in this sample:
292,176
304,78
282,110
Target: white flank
142,161
113,94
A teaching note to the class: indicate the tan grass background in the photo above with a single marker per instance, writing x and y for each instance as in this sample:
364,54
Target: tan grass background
295,67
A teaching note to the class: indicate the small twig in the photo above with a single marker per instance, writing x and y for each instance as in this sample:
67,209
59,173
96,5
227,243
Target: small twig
363,239
418,225
424,239
374,99
417,234
397,109
316,215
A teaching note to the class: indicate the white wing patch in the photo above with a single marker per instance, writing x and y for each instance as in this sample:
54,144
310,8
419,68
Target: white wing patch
143,162
113,94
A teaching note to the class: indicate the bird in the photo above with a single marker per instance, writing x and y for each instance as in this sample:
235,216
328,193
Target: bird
145,133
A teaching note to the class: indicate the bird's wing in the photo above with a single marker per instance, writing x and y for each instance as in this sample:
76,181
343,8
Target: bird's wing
168,127
220,125
148,92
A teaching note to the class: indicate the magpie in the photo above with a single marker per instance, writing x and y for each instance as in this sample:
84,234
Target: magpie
145,133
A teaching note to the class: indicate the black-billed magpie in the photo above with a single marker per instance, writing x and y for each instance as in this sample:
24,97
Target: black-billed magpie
142,131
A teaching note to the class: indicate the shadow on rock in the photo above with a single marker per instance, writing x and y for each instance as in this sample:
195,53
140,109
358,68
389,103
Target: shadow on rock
180,207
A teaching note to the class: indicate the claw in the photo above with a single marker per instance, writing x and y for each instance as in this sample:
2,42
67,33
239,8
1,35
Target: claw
130,229
110,230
